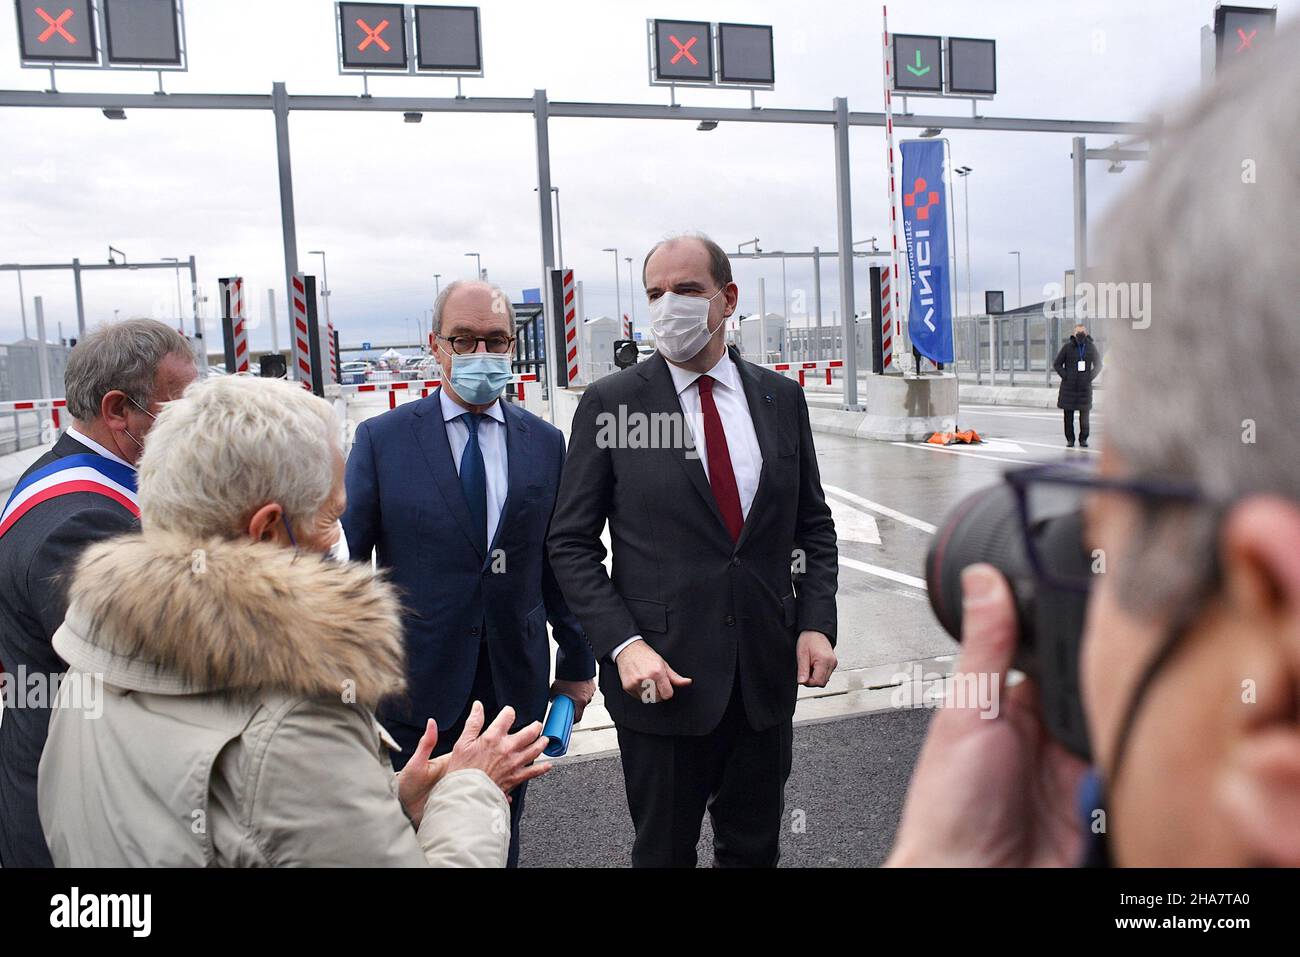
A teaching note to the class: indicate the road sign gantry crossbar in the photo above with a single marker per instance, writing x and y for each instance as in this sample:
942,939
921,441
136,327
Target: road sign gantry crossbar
525,105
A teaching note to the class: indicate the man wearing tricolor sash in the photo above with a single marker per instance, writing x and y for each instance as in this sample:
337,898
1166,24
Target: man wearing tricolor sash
80,491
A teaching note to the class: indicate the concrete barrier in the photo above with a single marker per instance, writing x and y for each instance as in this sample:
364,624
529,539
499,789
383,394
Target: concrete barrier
906,409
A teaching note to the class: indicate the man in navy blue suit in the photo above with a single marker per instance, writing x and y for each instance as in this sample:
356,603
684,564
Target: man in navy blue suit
454,493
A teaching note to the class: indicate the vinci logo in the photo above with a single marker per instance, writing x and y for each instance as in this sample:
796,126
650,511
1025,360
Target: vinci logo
931,198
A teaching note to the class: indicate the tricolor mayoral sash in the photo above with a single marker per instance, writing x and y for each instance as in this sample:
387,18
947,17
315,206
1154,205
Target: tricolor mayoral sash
73,473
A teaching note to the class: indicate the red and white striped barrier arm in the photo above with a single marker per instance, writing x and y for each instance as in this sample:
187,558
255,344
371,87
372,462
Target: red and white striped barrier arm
803,368
423,386
31,405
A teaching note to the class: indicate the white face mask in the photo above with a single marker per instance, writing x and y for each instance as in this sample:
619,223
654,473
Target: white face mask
339,550
681,324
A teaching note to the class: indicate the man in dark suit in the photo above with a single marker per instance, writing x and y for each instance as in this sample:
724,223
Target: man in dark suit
454,492
722,598
80,491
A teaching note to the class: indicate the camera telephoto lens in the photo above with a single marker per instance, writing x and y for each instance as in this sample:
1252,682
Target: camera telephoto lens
986,528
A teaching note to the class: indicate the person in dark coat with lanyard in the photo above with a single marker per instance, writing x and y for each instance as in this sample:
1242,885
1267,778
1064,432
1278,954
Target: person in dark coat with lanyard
1078,363
80,491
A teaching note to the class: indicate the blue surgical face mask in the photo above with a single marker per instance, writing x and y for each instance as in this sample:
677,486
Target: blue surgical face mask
480,377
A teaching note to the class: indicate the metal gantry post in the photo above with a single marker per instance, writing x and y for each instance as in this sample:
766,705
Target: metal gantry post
1079,156
280,105
844,229
541,120
270,317
81,302
42,352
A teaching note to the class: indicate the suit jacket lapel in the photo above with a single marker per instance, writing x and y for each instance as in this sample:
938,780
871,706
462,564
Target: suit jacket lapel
518,456
659,394
431,434
764,411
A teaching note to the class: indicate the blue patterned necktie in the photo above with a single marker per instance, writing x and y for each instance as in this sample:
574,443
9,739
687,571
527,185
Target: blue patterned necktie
473,480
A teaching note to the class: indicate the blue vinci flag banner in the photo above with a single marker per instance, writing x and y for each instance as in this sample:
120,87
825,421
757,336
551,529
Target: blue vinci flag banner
925,226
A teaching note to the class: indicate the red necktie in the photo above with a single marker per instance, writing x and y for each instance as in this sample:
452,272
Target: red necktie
721,476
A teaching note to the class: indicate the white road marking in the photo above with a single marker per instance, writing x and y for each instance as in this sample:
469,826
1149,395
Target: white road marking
880,509
969,455
854,525
999,445
887,573
1058,446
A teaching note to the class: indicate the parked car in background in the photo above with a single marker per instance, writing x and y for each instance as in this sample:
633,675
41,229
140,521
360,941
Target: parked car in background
353,373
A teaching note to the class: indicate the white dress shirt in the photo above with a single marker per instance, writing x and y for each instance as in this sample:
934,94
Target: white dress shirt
95,447
492,443
737,425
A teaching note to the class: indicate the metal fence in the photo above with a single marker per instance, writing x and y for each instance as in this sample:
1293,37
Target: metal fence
1012,349
22,430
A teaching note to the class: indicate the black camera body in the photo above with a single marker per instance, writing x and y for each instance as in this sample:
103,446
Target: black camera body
986,527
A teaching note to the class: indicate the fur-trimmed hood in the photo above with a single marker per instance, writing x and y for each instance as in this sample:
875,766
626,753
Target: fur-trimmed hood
160,613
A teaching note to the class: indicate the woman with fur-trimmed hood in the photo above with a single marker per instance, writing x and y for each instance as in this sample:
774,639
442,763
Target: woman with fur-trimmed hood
224,670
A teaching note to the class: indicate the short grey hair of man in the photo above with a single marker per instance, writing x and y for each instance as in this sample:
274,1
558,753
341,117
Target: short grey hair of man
499,301
230,445
719,261
119,355
1207,392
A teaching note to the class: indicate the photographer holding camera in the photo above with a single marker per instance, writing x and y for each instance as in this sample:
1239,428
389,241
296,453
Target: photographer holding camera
1162,727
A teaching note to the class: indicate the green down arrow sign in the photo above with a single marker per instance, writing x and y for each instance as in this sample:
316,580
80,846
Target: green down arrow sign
917,70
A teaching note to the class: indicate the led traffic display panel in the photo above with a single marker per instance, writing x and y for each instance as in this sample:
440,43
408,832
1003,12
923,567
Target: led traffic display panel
918,67
972,66
994,302
56,31
447,40
1241,32
142,32
745,54
373,36
683,51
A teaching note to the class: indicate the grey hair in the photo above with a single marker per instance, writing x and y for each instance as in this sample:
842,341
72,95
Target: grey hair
719,261
499,301
1207,391
119,355
230,445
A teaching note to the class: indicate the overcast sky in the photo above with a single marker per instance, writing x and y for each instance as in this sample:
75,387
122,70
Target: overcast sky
392,203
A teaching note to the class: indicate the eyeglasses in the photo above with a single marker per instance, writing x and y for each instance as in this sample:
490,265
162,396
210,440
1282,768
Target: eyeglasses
464,345
1047,493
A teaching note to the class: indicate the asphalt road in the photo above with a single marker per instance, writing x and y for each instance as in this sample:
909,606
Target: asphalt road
843,800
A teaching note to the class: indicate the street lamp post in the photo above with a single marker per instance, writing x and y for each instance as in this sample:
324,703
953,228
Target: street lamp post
325,281
963,172
631,294
22,304
478,264
437,288
618,291
1011,373
180,323
559,231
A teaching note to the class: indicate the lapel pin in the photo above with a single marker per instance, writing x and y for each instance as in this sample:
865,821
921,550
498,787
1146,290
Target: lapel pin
767,399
